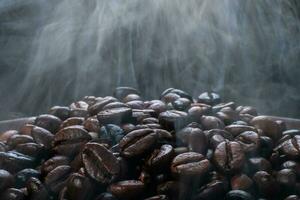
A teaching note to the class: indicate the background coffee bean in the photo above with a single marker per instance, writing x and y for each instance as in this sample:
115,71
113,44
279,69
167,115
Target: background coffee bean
238,195
6,179
49,122
129,189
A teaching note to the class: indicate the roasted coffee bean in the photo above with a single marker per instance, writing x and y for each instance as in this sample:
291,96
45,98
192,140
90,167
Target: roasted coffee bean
212,190
292,197
197,110
292,165
266,184
158,106
23,176
269,127
100,163
161,158
12,194
79,187
26,129
130,189
247,110
173,119
181,104
36,190
97,107
227,115
241,182
237,129
113,105
3,147
157,197
6,180
42,136
114,116
209,98
137,104
106,196
112,132
31,149
287,179
211,122
138,142
131,97
54,162
190,164
250,142
72,121
179,92
238,195
57,178
49,122
220,106
60,111
69,141
291,147
7,134
14,161
229,157
14,140
197,141
121,92
79,105
266,146
259,164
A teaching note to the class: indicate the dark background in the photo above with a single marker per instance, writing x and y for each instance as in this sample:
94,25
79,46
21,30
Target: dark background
261,67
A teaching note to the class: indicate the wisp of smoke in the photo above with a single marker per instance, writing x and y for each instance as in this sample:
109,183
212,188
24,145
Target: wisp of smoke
246,50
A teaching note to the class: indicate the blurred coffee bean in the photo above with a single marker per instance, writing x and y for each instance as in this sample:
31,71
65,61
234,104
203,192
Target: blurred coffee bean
62,112
258,164
105,196
246,110
227,115
190,164
121,92
42,136
173,119
181,104
36,190
114,115
209,98
241,182
287,179
26,129
161,158
12,194
79,187
291,147
212,190
198,110
197,141
292,197
211,122
54,162
7,134
138,142
72,121
131,97
238,195
79,105
266,184
158,106
97,107
237,129
6,180
100,163
69,141
49,122
266,146
137,104
112,132
250,142
180,150
220,106
14,161
129,189
57,178
14,140
24,175
157,197
31,149
229,157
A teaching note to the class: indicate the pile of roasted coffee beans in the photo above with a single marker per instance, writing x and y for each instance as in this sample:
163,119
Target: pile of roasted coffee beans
125,147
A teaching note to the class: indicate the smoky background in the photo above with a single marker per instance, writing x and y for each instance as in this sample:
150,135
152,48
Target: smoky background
55,52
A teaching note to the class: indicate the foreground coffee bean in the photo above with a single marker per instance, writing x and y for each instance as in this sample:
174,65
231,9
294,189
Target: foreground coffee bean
175,148
100,163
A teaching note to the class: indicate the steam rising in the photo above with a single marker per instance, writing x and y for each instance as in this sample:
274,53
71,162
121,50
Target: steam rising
246,50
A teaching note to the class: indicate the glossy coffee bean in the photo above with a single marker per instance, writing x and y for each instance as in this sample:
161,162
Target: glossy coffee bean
129,189
42,136
138,142
161,158
266,146
106,196
14,161
197,141
157,197
49,122
69,141
209,98
190,164
246,110
24,175
6,180
197,110
229,157
181,104
14,140
292,197
36,190
72,121
31,149
173,119
12,194
291,146
258,164
7,134
79,187
121,92
287,179
179,92
114,115
241,182
54,162
211,122
236,129
61,112
98,106
57,178
265,183
212,190
238,195
250,142
100,163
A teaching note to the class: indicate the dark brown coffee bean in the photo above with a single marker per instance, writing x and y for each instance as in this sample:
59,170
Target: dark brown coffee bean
181,104
160,159
24,175
259,164
57,178
106,196
72,121
197,110
92,124
173,119
12,194
213,190
114,116
287,179
229,157
169,188
130,189
211,122
250,141
79,112
70,140
220,106
100,163
190,164
266,184
170,97
61,112
209,98
158,106
97,107
79,105
292,197
246,110
7,134
121,92
42,136
227,115
131,97
14,161
241,182
238,195
14,140
197,141
79,187
31,149
54,162
137,104
138,142
6,180
49,122
269,127
36,190
266,146
236,129
291,147
157,197
295,166
26,129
